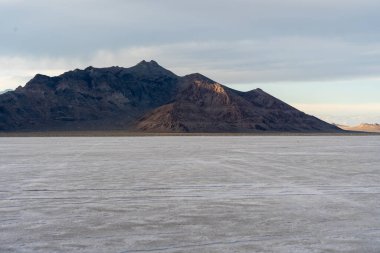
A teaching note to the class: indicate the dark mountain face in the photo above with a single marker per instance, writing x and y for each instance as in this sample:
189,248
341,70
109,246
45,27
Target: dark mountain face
93,98
146,97
206,106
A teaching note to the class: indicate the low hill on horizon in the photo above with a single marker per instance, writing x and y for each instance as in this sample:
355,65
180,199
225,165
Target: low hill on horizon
148,98
363,127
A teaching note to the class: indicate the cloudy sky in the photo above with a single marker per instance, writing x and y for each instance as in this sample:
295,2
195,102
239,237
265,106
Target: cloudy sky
322,56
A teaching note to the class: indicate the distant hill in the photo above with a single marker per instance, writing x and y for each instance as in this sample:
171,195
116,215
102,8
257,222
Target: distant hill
4,91
364,127
146,97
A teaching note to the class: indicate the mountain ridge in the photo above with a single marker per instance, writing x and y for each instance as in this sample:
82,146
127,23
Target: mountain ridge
149,98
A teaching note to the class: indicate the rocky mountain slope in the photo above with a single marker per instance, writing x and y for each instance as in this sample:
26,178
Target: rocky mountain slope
146,97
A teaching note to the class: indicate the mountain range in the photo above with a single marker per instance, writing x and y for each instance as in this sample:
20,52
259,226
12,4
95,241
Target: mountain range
364,127
148,98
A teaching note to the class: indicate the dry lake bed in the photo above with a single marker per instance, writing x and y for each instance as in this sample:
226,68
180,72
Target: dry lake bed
190,194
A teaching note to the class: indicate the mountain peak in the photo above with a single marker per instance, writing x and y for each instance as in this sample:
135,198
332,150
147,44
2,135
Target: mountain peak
89,68
199,77
37,80
257,91
151,68
151,63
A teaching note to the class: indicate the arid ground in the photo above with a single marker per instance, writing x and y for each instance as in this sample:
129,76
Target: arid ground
190,194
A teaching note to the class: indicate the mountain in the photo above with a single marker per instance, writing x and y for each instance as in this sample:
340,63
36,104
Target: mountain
5,91
364,127
146,97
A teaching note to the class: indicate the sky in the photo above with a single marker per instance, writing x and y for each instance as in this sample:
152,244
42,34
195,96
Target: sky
321,56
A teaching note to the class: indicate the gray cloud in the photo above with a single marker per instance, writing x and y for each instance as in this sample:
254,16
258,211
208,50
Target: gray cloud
232,41
250,43
72,27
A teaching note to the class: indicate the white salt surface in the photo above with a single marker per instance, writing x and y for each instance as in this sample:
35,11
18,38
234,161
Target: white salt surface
190,194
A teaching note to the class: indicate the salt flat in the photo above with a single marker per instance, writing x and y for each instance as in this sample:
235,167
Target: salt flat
190,194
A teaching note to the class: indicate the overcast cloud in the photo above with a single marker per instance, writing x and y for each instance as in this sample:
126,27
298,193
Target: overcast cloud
251,42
